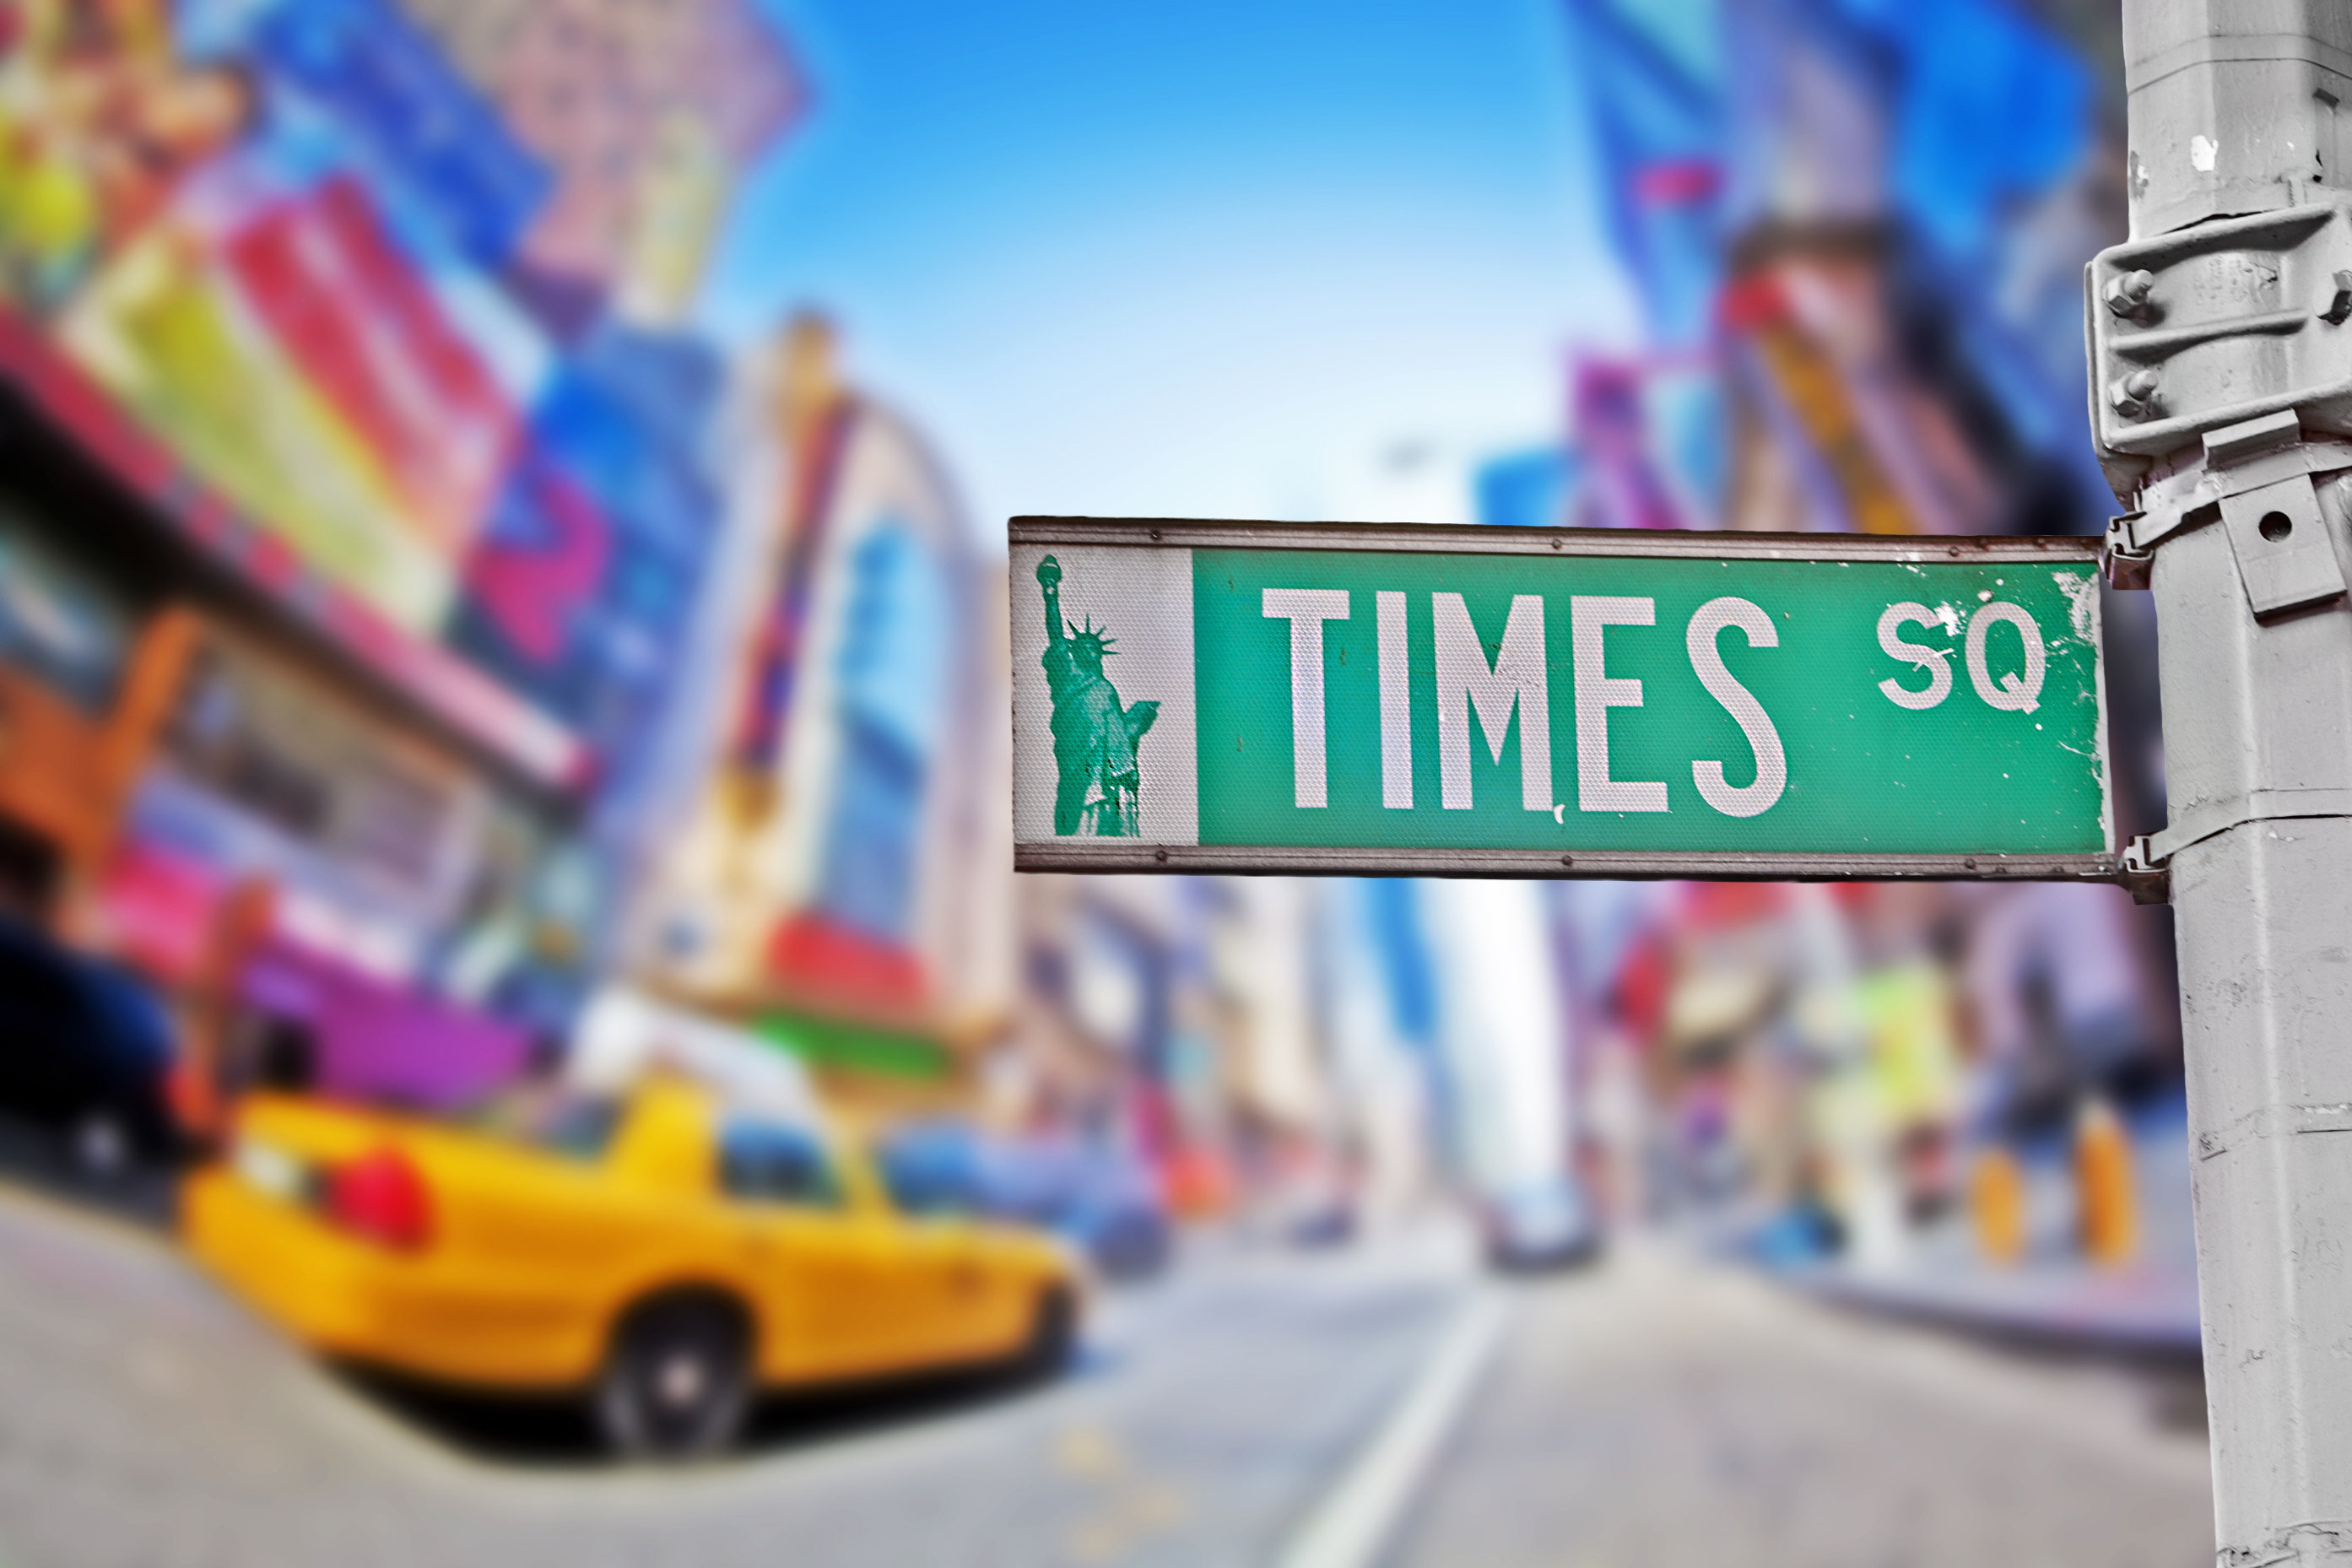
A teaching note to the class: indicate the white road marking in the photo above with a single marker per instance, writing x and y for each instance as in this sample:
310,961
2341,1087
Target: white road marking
1351,1523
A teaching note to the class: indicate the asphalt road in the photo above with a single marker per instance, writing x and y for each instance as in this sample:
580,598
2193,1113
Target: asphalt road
1673,1415
1382,1407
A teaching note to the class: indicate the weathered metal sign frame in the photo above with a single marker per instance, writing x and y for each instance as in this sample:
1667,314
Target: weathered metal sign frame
1145,854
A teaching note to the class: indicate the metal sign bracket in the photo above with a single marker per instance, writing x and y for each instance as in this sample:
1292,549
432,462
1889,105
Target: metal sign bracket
2147,859
2259,479
2145,873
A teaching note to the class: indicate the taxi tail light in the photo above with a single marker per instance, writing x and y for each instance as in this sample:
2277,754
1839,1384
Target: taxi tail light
382,1196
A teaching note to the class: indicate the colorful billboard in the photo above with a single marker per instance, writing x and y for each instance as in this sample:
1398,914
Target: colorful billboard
356,271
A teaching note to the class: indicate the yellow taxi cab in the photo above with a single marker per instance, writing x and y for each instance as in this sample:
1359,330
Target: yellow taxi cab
658,1252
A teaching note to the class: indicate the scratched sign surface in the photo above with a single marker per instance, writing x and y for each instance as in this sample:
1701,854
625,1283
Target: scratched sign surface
1554,701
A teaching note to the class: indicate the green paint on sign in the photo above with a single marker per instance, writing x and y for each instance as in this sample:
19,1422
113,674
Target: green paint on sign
2006,760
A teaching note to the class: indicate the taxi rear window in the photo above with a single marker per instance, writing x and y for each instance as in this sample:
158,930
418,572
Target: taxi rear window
768,1162
560,1121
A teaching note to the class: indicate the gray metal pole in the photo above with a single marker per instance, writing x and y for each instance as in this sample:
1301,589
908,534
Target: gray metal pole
2221,345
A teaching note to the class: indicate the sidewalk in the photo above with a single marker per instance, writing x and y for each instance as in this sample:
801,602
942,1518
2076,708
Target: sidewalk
2132,1309
2145,1305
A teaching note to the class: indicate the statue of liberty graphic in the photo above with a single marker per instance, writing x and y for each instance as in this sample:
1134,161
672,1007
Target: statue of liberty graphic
1095,735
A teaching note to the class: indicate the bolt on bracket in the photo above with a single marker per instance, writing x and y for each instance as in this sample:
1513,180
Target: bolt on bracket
2180,326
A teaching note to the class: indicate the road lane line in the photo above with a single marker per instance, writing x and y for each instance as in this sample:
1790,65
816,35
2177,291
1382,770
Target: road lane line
1351,1523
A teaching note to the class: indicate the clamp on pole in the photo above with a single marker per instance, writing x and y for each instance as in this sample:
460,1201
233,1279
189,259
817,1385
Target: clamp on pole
2259,479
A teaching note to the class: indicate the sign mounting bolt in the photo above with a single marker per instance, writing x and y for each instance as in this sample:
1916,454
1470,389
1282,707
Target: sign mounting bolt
2134,395
2128,293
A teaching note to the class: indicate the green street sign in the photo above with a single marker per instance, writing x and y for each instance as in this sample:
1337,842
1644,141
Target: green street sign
1405,699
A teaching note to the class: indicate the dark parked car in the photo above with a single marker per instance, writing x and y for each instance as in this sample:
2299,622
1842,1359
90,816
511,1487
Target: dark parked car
1544,1224
85,1051
1101,1202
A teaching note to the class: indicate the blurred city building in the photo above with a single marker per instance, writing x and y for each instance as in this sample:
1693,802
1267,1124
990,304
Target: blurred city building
362,491
1857,233
840,872
421,654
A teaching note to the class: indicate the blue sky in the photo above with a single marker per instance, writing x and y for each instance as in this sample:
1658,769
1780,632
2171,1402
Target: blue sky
1290,259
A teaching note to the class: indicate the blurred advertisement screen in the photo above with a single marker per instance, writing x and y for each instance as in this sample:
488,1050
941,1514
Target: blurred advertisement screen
355,267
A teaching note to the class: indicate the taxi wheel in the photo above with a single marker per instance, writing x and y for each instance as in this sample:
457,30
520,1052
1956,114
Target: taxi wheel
1052,1334
676,1382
